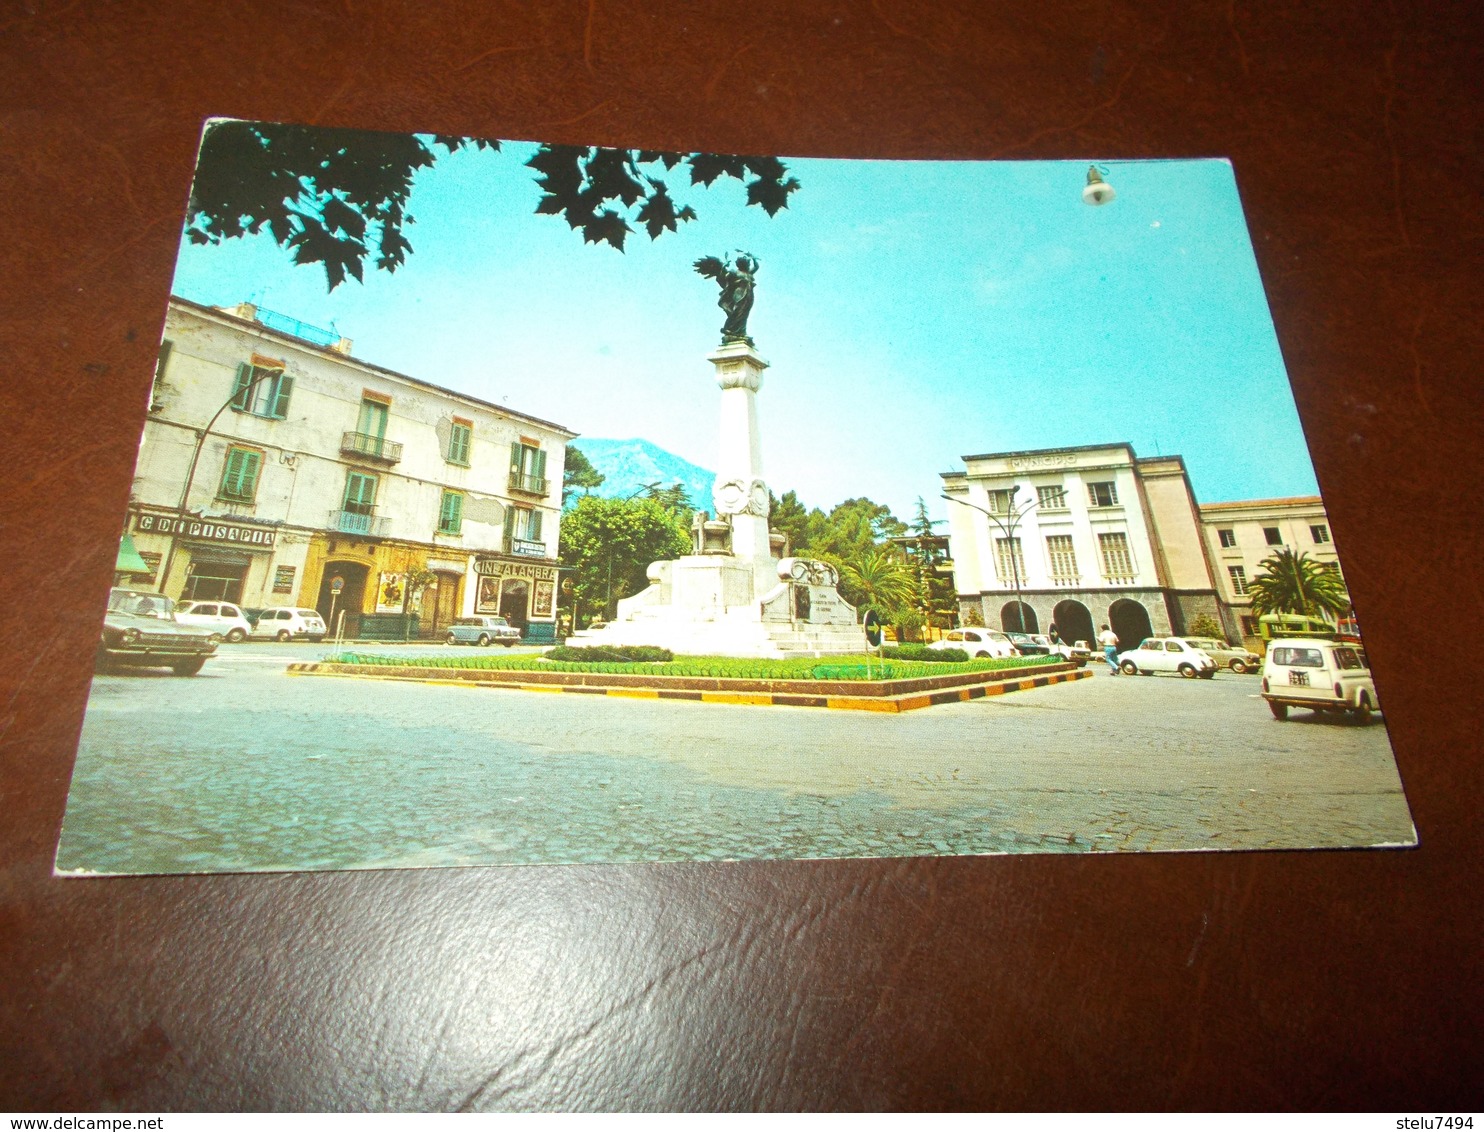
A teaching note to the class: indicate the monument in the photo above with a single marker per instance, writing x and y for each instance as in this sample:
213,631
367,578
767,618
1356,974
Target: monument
737,593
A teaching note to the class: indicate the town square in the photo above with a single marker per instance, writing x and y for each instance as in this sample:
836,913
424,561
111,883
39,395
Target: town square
1064,616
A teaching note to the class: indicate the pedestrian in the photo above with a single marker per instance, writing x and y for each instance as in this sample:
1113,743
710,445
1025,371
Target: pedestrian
1109,640
1055,636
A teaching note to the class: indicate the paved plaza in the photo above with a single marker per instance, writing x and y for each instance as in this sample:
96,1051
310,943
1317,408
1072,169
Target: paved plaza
244,768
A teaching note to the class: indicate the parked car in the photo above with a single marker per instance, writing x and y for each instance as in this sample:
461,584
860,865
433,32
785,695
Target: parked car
140,631
287,624
1166,654
1236,657
482,630
1078,652
1327,676
976,642
1028,645
219,616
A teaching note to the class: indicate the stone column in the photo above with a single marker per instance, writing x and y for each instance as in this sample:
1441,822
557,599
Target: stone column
741,493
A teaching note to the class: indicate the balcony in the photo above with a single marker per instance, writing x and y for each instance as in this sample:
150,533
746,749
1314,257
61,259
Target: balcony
370,447
530,485
525,548
355,523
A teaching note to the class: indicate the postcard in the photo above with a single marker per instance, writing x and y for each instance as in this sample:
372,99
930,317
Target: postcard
522,503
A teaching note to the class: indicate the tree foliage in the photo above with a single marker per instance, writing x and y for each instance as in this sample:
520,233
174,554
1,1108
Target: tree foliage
338,197
578,473
609,544
879,579
1292,582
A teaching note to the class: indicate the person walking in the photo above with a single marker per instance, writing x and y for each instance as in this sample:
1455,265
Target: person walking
1109,640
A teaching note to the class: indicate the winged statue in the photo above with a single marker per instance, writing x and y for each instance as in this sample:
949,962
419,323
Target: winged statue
737,280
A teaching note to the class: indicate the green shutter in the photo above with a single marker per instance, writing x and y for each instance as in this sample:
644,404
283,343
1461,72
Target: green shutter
533,528
360,491
539,471
240,474
515,468
240,395
458,444
282,386
451,516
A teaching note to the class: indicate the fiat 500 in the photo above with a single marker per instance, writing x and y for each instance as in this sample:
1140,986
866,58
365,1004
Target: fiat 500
1166,654
140,631
1327,676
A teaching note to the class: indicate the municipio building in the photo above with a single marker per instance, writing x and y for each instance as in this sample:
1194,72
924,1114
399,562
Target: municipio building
1079,538
275,469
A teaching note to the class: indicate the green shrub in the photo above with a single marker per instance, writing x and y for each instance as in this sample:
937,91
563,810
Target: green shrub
927,655
610,654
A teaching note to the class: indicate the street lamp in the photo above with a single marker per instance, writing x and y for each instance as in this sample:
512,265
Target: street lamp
1014,515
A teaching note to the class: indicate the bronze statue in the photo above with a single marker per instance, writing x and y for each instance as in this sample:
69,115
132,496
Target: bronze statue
737,284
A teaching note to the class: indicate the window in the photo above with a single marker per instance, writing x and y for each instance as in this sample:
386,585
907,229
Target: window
451,513
374,413
1062,557
1239,579
155,391
1102,494
1117,562
1319,532
262,390
1249,626
460,439
527,467
1052,498
1012,564
1227,536
523,532
240,475
360,493
1273,535
998,502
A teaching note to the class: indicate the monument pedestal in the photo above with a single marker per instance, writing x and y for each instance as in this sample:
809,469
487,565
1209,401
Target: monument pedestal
746,601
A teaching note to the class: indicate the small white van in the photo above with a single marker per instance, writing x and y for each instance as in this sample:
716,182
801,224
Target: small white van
1327,676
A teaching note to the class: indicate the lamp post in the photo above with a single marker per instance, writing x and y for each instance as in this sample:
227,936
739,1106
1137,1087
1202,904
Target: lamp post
244,395
1007,527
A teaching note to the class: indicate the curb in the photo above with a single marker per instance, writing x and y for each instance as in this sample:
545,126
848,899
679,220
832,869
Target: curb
911,701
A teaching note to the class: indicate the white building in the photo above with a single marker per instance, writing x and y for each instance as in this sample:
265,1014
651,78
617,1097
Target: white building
277,469
1239,536
1078,538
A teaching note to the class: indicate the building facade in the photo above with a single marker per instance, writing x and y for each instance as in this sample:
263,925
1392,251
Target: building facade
1078,538
277,469
1239,536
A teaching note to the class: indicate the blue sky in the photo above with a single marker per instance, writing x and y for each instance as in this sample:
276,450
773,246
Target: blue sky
913,313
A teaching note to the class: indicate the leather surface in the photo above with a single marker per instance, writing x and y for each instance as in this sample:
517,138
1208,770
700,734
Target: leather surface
1268,980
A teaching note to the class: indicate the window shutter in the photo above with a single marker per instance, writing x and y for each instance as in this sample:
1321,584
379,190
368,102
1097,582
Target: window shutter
251,461
539,471
515,458
283,385
533,528
239,390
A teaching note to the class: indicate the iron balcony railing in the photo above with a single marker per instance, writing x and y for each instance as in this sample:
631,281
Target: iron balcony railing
371,447
355,523
531,485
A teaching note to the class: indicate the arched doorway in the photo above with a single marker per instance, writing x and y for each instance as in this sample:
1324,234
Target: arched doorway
343,590
1018,617
515,602
1130,621
1073,622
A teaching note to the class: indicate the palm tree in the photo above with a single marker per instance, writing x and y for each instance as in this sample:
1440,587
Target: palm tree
880,579
1292,582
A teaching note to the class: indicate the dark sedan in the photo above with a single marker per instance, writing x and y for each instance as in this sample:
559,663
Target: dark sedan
1027,645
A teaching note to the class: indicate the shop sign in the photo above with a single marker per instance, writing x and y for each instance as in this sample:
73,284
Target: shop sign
498,568
283,579
201,529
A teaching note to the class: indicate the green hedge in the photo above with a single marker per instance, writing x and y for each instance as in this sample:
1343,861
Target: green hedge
611,654
926,655
724,667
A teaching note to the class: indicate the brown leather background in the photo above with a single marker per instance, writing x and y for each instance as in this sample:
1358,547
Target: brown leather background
1307,980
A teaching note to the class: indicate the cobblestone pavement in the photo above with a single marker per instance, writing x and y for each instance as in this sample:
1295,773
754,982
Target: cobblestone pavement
244,768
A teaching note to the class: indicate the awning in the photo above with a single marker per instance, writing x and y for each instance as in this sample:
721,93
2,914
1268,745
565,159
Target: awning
129,561
217,556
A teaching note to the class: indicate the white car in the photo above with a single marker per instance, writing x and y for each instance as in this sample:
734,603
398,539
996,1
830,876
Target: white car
1079,651
219,616
1327,676
976,642
1167,654
291,625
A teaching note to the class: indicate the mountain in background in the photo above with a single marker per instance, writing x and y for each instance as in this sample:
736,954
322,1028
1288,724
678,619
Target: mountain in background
628,465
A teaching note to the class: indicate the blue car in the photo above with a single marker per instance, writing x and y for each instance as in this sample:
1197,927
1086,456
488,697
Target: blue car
482,630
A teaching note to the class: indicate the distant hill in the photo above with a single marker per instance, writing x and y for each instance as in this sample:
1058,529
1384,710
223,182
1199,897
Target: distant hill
628,465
